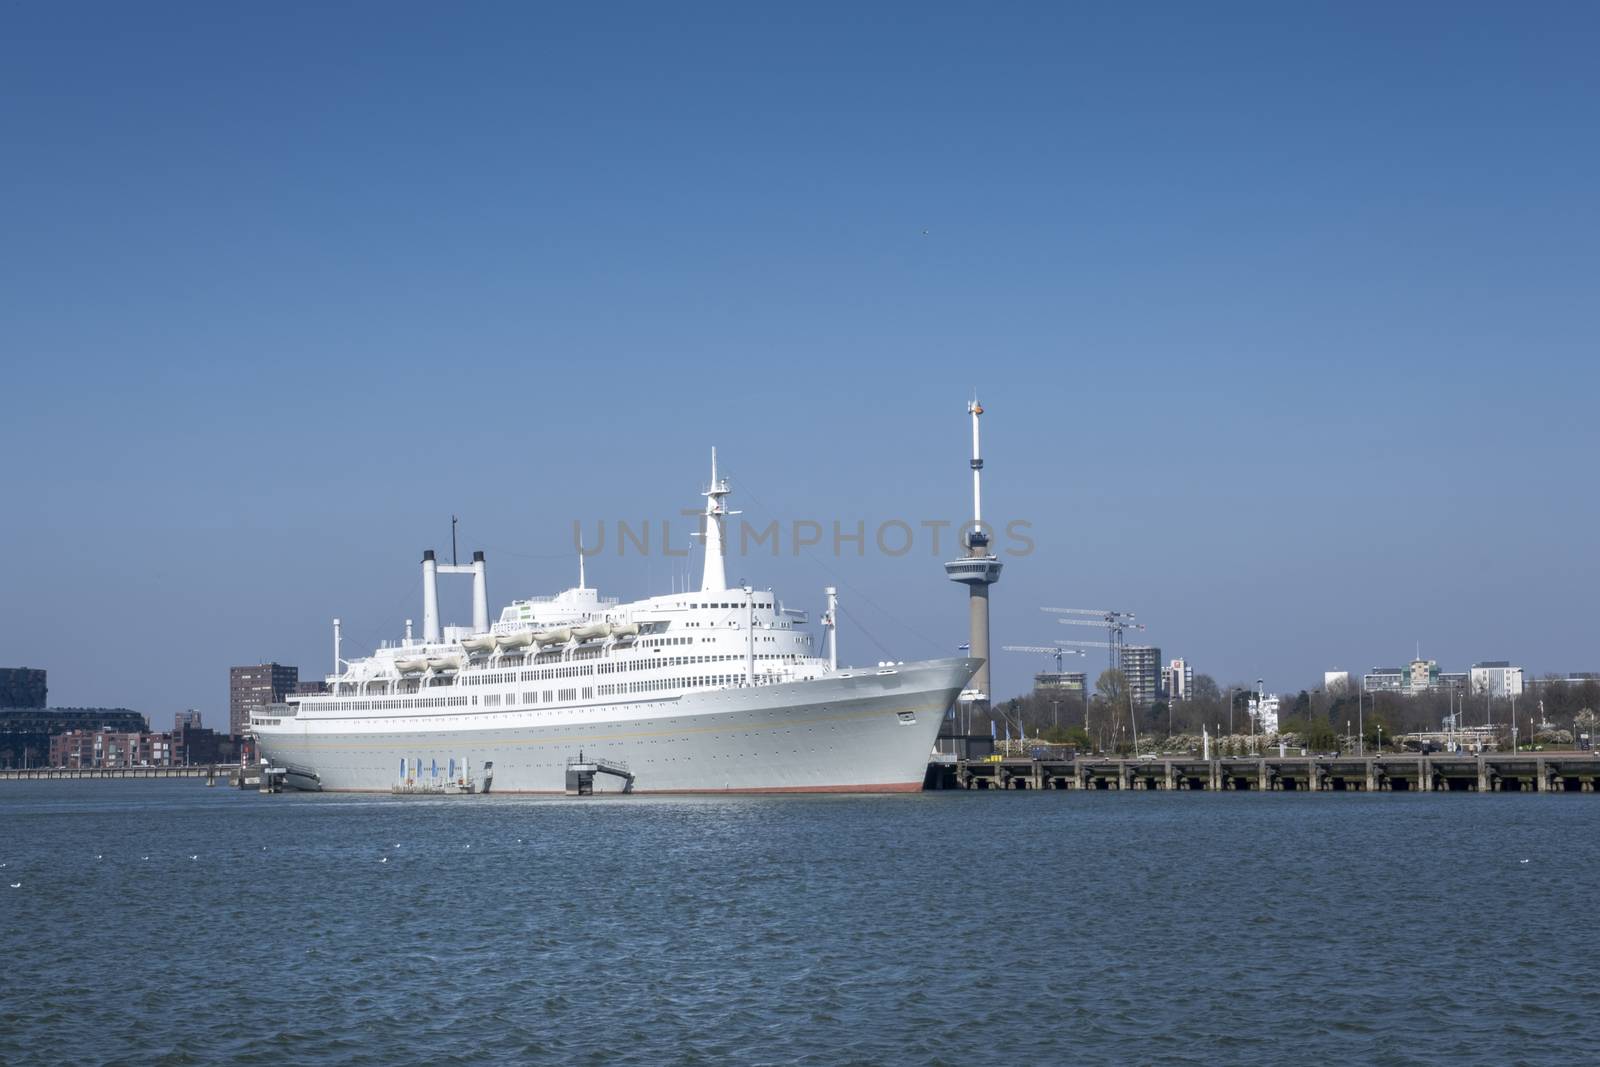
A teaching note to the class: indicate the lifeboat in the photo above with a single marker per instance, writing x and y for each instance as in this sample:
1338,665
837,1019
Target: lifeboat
553,637
625,629
410,666
481,643
592,631
445,663
518,640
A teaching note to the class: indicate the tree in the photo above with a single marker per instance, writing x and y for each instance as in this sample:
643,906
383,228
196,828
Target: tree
1160,717
1314,732
1115,710
1069,735
1112,687
1583,724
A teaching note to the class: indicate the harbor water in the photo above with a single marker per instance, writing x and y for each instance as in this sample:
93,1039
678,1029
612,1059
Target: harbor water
164,922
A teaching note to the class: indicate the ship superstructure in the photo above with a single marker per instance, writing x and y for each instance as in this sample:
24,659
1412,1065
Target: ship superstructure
711,690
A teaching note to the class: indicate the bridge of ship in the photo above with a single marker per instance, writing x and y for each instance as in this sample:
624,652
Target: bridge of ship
1520,772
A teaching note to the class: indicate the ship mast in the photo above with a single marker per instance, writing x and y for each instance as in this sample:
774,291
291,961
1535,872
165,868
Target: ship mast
715,578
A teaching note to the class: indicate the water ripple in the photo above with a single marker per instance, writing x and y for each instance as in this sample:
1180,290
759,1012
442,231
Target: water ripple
939,929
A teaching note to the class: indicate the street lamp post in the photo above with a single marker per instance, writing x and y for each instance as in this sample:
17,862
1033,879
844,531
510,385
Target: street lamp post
1361,729
1261,707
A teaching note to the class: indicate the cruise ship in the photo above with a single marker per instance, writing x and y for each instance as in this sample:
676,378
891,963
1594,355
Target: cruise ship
715,690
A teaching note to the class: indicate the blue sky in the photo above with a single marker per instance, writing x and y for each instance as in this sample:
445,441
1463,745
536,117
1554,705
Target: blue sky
1284,317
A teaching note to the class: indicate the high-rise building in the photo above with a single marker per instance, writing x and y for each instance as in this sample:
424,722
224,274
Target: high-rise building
251,688
22,687
1141,666
1498,678
1180,680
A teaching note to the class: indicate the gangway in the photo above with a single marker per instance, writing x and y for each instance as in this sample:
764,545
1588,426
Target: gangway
581,772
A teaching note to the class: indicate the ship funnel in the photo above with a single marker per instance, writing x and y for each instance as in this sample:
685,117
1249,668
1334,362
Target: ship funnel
430,598
430,593
480,595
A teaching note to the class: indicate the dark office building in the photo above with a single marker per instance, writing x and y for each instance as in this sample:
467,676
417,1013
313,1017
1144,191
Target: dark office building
193,743
21,687
250,688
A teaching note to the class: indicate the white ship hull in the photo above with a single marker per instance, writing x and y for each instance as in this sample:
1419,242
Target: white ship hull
862,730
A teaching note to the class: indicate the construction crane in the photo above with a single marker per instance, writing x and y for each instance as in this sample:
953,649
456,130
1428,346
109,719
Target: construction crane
1115,623
1056,652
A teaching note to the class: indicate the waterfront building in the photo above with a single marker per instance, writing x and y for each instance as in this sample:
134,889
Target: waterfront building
82,749
1384,680
1335,682
1141,665
25,733
1180,680
253,688
184,720
310,687
22,687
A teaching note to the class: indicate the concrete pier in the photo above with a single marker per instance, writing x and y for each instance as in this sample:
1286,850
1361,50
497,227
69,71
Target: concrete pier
211,771
1514,772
